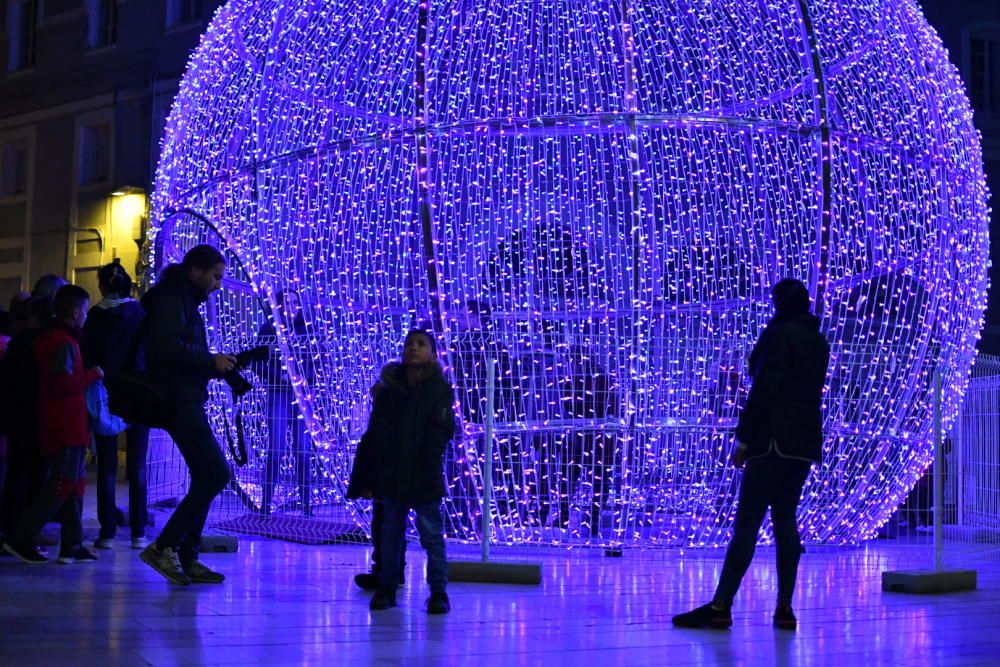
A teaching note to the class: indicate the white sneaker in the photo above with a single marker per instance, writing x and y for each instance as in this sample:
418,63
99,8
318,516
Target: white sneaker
141,542
105,543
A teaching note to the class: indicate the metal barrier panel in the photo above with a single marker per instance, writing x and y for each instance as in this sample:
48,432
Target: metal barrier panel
970,511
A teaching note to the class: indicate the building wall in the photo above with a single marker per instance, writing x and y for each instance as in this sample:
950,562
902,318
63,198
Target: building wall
60,224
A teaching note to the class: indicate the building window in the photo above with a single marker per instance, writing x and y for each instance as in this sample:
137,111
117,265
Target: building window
95,153
21,35
984,72
102,23
14,168
180,12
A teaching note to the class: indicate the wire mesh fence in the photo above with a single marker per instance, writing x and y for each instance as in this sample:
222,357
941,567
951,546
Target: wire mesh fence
970,477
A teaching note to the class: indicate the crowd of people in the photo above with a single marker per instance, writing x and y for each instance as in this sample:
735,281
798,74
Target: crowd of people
59,356
51,356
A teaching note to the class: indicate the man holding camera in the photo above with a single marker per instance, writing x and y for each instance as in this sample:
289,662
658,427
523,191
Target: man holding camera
178,359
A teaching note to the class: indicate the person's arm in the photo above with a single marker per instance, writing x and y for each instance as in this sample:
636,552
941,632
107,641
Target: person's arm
62,378
441,429
378,426
773,368
772,354
364,476
165,337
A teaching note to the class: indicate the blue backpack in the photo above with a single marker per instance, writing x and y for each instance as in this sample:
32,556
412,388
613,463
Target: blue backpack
101,420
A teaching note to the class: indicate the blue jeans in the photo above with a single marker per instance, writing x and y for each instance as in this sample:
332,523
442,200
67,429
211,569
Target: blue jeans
378,520
430,526
768,481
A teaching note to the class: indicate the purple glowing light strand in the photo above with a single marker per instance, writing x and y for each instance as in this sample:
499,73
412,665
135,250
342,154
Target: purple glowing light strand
530,128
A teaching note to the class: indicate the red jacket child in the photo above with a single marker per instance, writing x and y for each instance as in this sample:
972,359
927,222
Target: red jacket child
62,402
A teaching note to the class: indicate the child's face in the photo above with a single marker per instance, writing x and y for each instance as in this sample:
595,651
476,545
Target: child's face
418,351
80,314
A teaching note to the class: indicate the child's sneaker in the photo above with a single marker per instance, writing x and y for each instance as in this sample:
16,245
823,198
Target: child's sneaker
166,562
27,553
784,618
79,554
705,616
141,542
105,543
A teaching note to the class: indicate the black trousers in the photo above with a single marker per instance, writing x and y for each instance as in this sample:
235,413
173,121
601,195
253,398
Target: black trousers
27,470
768,481
136,448
210,472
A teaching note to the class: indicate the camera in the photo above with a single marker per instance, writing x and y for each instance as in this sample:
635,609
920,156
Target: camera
239,385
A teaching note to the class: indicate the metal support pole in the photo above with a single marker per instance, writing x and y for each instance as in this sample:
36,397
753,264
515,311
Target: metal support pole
958,446
938,472
488,463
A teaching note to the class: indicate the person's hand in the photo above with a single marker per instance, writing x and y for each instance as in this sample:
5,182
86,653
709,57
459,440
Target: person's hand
739,455
223,363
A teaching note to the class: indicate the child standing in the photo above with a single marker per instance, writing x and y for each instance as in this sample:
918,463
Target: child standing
411,423
64,430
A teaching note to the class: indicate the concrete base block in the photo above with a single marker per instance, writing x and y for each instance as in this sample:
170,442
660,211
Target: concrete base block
227,544
929,581
494,573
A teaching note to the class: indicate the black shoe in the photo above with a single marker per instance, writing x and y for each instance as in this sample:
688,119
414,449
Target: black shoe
199,573
784,618
704,617
165,562
383,600
27,553
438,603
80,554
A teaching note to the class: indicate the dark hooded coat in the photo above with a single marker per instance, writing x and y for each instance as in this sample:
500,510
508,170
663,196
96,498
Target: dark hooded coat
788,366
408,430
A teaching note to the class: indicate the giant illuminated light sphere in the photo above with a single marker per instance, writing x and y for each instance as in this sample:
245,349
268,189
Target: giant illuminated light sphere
618,183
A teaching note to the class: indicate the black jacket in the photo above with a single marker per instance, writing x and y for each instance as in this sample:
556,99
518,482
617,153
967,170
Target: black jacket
788,366
364,471
111,337
176,348
409,428
19,391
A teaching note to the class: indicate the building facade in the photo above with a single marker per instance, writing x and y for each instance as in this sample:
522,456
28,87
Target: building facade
85,86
